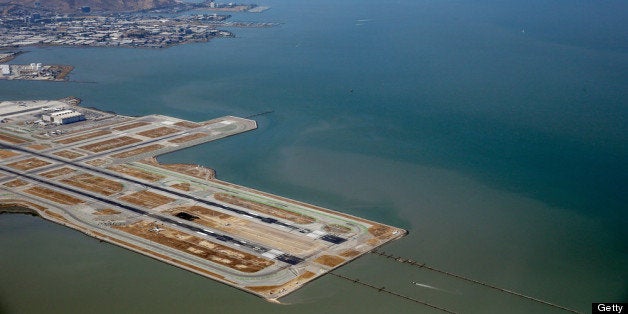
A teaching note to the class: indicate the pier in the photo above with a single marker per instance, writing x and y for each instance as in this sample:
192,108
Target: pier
383,289
414,263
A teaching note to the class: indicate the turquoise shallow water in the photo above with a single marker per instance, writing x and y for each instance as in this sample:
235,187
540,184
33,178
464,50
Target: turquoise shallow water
494,131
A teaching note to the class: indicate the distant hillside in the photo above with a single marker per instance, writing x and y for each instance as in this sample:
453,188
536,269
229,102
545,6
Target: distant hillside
71,6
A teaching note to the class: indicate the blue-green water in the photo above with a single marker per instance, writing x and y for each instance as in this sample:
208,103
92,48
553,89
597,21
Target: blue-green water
495,131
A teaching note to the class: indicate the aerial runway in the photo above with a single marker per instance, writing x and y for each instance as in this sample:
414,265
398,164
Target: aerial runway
98,175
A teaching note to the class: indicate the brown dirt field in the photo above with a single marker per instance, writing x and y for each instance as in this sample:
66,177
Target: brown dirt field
83,137
182,186
12,139
93,183
137,151
191,170
38,146
5,153
350,253
96,162
263,208
68,154
381,231
373,242
161,256
158,132
110,144
28,164
140,174
15,183
303,278
147,199
188,124
335,228
57,172
53,195
329,260
131,126
106,211
200,247
187,138
64,71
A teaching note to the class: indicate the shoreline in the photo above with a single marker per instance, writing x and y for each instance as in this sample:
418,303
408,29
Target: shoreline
13,208
49,73
13,55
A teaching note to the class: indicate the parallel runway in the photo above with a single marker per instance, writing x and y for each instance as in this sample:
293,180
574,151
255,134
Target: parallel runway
287,258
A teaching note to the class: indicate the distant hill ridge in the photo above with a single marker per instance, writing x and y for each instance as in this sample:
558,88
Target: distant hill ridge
71,6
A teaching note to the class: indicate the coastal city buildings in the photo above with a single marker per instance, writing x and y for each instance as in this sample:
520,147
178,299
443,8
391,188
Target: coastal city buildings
156,28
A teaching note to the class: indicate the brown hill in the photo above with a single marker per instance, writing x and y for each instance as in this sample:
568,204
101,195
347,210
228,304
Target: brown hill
72,6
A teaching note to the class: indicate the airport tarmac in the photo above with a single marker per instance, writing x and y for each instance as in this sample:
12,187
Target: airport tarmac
99,176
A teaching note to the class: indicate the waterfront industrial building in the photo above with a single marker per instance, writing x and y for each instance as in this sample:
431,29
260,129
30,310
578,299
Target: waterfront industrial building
63,117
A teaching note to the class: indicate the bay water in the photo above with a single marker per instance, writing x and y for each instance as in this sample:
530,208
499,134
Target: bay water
494,131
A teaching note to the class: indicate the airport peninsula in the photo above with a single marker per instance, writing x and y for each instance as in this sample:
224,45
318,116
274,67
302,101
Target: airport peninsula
95,172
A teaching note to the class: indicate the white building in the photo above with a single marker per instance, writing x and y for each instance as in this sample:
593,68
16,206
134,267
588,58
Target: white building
5,69
63,117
